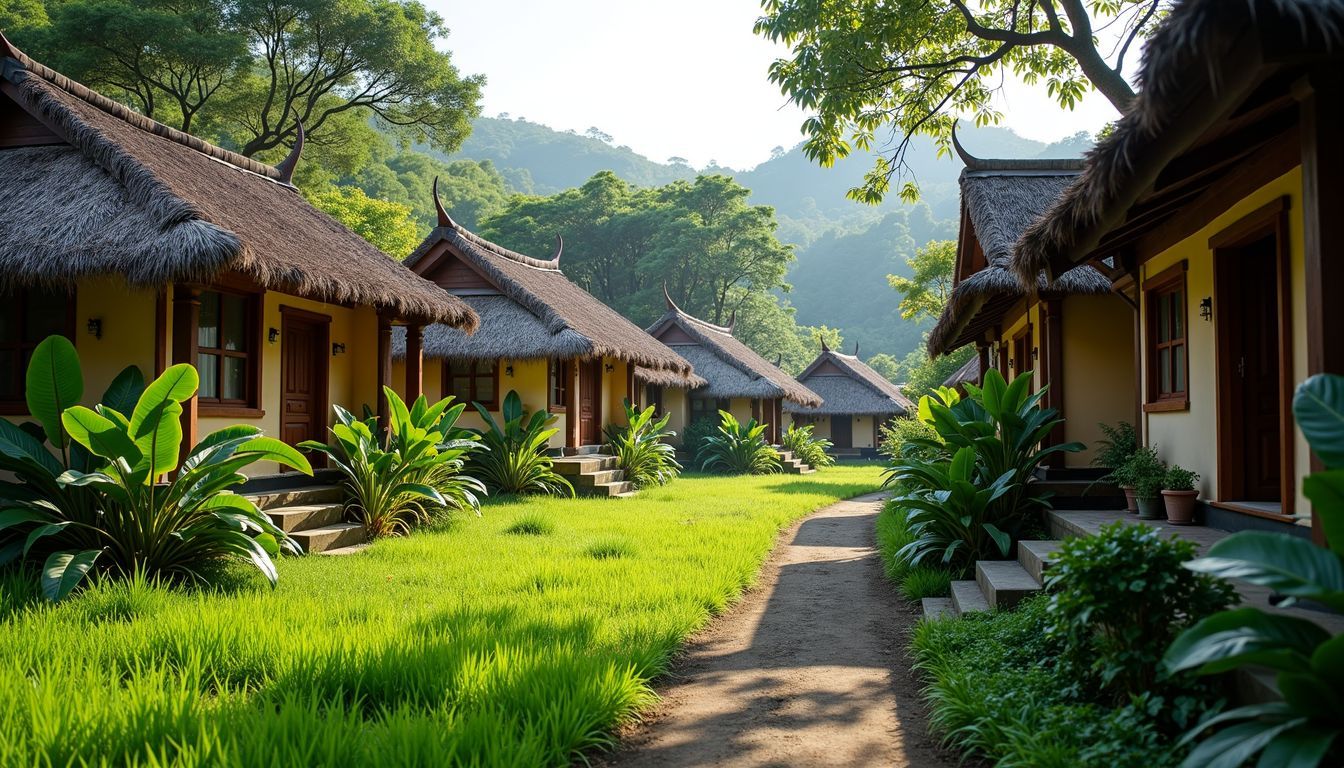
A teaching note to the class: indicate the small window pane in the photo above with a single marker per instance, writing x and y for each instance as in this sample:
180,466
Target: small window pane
461,389
207,334
208,368
234,321
45,315
1164,372
485,389
1179,367
1163,319
1177,317
234,380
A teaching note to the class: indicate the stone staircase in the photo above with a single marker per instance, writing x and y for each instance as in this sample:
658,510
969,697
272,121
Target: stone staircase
314,516
594,474
998,584
792,465
1078,488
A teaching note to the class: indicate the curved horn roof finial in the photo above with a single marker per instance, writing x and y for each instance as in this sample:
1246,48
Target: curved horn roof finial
779,359
444,219
732,321
971,161
671,305
7,49
559,248
824,348
856,347
291,161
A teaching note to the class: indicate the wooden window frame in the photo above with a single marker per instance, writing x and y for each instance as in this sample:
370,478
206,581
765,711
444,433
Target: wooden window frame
250,406
559,379
491,405
1018,367
1166,282
19,407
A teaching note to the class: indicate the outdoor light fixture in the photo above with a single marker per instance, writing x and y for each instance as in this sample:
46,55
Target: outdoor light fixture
337,349
1206,308
95,327
1035,353
610,367
273,335
508,370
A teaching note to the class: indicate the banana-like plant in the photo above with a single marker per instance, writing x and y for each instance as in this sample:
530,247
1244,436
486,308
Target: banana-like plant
102,503
811,450
954,522
1307,727
641,447
513,457
398,479
738,449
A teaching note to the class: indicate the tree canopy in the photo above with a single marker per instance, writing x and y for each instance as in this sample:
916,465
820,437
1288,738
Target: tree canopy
926,291
911,67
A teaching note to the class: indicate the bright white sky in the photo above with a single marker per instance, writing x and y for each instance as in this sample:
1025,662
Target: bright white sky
685,78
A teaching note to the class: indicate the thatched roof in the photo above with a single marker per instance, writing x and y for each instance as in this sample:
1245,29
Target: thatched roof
131,197
1198,68
848,386
731,368
1000,199
968,373
669,379
532,312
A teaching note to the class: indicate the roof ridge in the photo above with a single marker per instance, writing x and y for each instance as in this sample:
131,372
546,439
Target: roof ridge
532,262
129,116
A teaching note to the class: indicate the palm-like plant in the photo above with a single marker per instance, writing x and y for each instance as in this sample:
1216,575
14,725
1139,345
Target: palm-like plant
953,522
738,449
641,447
811,450
414,470
513,457
101,504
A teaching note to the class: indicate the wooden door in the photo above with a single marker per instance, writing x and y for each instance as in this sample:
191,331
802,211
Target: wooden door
590,403
1248,314
304,377
842,431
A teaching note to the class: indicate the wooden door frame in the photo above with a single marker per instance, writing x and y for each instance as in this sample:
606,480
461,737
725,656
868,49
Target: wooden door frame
323,323
596,366
1268,220
849,418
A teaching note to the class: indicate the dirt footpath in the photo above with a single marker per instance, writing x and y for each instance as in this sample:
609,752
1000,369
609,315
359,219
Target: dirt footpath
809,669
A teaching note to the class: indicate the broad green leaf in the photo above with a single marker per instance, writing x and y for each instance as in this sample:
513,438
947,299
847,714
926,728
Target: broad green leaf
63,571
176,384
1302,747
18,516
125,390
1232,747
1326,492
54,382
159,438
1288,564
100,435
41,532
17,444
1318,409
270,449
1231,639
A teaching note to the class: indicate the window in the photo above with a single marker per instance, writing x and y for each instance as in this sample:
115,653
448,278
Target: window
26,318
1167,355
227,349
707,409
560,376
473,381
654,394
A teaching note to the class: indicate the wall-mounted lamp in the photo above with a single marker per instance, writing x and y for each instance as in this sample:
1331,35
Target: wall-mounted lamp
1206,308
273,335
1035,353
95,327
337,349
610,367
1011,363
508,370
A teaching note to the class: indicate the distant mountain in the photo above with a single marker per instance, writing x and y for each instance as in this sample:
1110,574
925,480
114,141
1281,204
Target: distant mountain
845,249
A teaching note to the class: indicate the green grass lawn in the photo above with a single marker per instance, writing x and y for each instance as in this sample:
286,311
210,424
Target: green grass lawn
517,638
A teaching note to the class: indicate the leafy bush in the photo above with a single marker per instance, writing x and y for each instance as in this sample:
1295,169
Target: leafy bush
1179,479
641,448
897,432
1142,471
914,582
1119,598
696,433
407,475
102,506
995,691
1305,728
738,449
950,516
1119,443
513,457
812,451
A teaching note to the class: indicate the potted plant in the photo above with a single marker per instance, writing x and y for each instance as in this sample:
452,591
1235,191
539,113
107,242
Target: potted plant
1179,494
1147,472
1112,452
1124,477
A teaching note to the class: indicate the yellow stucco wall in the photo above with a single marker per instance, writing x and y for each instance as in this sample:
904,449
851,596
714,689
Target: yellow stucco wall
1190,437
675,403
1098,363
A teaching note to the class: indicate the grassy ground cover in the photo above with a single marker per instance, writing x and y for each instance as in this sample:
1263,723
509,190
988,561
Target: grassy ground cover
914,582
517,638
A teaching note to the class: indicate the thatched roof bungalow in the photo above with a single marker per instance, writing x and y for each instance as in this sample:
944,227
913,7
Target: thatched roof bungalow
1217,200
166,248
856,401
540,335
737,379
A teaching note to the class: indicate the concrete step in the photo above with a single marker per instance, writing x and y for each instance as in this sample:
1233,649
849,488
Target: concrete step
1081,494
967,598
937,608
290,497
581,465
338,536
1004,583
1036,556
606,489
626,495
298,517
597,478
353,550
797,469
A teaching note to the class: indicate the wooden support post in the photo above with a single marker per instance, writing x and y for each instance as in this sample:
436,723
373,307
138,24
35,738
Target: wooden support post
415,361
573,433
384,367
186,326
1053,330
982,353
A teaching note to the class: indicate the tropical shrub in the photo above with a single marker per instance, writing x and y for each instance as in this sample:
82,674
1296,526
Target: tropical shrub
738,449
915,582
952,526
641,447
99,504
1307,727
897,432
407,475
694,436
812,451
1179,479
1118,444
513,456
1141,470
1118,599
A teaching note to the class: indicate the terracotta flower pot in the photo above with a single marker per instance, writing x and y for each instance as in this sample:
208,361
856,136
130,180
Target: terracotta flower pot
1131,506
1180,506
1150,507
